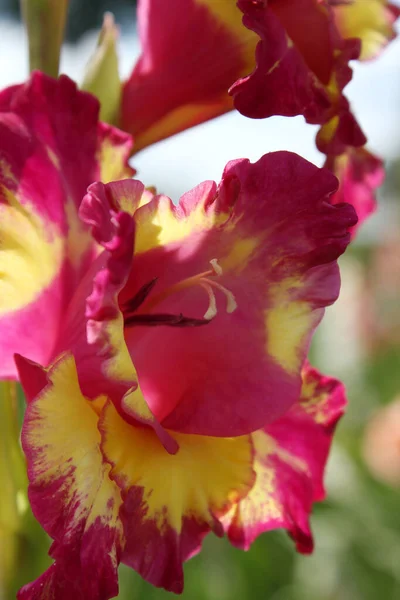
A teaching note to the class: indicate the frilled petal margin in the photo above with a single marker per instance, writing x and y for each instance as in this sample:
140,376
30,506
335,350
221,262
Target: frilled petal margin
293,67
70,491
290,458
302,69
52,147
114,230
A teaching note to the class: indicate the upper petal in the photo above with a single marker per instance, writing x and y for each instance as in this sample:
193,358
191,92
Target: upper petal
290,458
70,491
192,52
275,238
104,363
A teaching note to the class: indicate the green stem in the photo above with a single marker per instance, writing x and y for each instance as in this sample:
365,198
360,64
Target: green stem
45,23
14,484
12,462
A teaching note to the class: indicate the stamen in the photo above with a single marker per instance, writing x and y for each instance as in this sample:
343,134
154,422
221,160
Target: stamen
212,307
231,304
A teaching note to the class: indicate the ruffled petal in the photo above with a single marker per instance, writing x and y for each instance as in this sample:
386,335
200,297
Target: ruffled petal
369,20
293,67
299,56
290,458
273,238
52,148
104,363
172,501
192,52
360,173
70,491
302,68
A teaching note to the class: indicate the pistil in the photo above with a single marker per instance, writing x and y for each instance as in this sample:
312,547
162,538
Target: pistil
206,280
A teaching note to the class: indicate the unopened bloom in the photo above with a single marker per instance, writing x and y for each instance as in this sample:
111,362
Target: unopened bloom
165,366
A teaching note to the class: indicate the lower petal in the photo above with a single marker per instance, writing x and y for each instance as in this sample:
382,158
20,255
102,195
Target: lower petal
70,491
290,458
172,501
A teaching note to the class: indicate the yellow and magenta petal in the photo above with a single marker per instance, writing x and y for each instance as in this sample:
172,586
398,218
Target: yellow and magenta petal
290,459
372,21
101,346
70,491
170,502
53,147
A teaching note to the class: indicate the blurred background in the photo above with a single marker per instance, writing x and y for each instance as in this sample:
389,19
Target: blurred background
357,529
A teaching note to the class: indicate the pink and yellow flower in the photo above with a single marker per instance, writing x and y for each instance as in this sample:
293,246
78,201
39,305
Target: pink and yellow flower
276,57
168,394
287,57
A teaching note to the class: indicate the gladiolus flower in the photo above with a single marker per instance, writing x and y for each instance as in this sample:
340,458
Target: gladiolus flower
171,397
